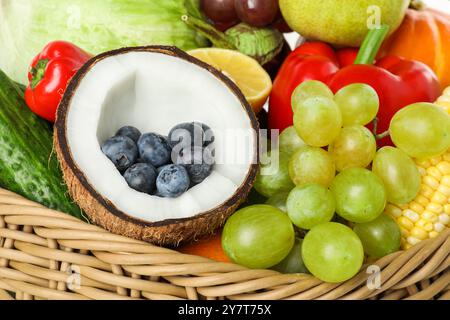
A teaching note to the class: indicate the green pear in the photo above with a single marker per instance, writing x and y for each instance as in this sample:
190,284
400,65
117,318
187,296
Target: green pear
341,22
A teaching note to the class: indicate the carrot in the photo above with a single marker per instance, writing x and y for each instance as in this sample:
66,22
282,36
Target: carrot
209,247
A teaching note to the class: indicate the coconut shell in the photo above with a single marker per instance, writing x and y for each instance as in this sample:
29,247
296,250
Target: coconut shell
104,213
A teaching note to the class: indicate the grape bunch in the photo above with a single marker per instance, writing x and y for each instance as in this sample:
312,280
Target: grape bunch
333,184
226,13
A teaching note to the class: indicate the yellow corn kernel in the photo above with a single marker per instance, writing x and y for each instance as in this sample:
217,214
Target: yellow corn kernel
419,233
444,190
439,198
444,218
434,161
433,234
405,223
425,225
435,173
393,211
422,171
447,209
443,167
430,216
414,206
422,200
404,232
446,156
438,227
424,163
411,215
426,191
431,182
434,207
446,180
412,240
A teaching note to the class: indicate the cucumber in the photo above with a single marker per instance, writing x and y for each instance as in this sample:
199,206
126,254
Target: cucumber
27,164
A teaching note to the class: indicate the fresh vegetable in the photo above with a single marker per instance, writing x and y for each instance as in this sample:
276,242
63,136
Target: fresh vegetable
27,166
379,237
311,165
209,247
310,205
429,213
355,146
343,22
96,26
259,236
398,82
431,29
293,263
246,72
360,195
273,176
332,252
318,121
399,174
49,73
258,13
262,44
421,130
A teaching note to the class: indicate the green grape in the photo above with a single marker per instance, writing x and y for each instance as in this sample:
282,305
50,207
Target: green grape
311,165
332,252
293,263
290,141
359,104
273,176
310,89
258,236
360,195
399,173
422,130
379,237
318,121
278,200
355,146
310,205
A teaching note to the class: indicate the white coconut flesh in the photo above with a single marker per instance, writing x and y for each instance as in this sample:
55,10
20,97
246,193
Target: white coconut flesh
154,92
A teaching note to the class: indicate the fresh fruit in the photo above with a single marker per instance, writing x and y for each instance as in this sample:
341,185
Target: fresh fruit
198,162
141,177
246,72
27,164
359,104
360,195
209,247
278,200
173,181
121,150
355,146
273,176
222,11
293,263
318,121
186,134
332,252
432,29
257,13
379,237
311,165
312,18
258,236
429,213
130,132
398,173
422,130
290,141
310,89
310,205
154,149
171,87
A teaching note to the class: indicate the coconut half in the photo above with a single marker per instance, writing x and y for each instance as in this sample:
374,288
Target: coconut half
154,88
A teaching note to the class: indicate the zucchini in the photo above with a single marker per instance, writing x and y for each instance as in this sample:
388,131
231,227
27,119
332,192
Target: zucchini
27,164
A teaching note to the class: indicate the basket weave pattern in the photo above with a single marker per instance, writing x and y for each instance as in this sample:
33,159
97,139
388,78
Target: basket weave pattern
45,254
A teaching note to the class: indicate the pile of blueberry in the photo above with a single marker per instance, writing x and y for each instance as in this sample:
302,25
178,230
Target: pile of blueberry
160,165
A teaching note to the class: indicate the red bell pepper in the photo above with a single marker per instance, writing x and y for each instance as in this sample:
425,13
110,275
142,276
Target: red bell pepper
49,74
397,81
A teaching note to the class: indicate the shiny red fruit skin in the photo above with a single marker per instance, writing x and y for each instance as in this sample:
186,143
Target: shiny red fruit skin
220,11
257,13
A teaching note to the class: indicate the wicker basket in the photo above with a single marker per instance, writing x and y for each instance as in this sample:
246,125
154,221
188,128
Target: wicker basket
45,254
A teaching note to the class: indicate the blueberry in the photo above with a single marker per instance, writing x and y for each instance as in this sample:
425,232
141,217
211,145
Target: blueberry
172,181
141,177
198,162
186,134
208,136
154,149
130,132
122,151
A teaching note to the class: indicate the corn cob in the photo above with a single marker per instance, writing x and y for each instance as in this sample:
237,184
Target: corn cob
429,214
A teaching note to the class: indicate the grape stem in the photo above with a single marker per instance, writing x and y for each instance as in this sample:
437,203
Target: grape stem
375,126
371,45
382,135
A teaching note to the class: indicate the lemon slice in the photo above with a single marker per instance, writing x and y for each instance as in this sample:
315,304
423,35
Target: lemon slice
244,71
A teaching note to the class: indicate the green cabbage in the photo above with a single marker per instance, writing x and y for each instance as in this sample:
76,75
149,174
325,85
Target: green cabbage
26,26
